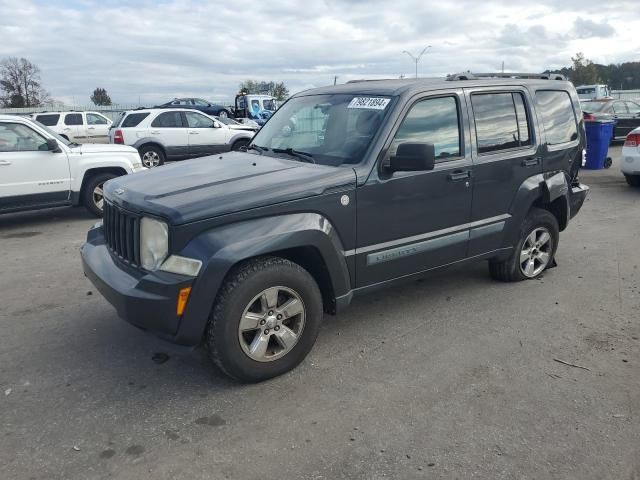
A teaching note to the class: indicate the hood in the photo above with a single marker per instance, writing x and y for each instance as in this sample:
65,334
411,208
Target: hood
102,148
207,187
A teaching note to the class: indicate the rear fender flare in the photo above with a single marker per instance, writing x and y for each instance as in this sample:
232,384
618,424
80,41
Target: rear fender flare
221,248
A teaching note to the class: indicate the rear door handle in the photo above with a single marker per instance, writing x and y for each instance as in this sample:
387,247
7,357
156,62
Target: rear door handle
530,162
459,175
193,133
155,132
5,162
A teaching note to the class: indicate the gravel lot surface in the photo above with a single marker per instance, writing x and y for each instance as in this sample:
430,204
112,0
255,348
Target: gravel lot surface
450,377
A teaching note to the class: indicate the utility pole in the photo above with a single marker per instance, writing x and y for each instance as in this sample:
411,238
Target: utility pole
417,59
335,79
503,66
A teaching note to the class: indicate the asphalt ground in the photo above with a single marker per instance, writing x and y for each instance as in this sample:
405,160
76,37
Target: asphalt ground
455,376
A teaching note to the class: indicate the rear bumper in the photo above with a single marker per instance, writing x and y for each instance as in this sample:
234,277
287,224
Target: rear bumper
577,197
630,161
145,299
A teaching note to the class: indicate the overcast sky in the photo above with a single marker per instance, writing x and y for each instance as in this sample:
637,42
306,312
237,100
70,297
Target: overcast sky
157,50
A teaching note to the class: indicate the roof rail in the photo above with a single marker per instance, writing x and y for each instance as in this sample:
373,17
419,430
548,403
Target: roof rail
476,76
370,80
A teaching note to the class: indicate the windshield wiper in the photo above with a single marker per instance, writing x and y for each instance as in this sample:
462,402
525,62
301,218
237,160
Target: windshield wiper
307,157
258,148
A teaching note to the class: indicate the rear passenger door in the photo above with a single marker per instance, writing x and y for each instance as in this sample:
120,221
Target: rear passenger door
97,128
505,154
170,129
73,128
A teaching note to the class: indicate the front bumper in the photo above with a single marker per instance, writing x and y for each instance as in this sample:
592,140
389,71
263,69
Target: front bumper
577,197
145,299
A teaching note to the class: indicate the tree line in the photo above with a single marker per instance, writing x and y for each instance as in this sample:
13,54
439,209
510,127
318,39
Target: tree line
621,76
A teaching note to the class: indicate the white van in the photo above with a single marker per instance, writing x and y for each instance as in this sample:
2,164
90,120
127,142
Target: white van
78,127
593,92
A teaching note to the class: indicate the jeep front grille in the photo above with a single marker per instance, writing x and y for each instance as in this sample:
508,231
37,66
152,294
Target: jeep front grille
122,233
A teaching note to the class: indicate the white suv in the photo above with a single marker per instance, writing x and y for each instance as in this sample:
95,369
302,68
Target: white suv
175,134
40,169
81,127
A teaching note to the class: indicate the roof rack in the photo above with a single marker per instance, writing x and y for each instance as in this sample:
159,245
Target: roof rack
370,80
476,76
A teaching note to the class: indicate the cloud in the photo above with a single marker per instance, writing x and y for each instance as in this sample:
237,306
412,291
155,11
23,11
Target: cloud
585,28
156,50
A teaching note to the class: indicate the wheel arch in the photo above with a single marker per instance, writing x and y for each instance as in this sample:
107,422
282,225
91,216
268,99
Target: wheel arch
147,142
91,172
307,239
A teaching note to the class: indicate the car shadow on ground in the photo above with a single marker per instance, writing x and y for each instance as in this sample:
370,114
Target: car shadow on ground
44,217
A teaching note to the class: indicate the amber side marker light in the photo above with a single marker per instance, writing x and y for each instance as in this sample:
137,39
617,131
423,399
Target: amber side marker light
183,296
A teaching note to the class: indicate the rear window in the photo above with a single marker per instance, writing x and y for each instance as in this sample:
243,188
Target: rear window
557,116
48,120
73,119
133,119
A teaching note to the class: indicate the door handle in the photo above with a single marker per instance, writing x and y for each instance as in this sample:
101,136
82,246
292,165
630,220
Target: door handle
459,175
91,128
5,162
193,133
155,132
530,162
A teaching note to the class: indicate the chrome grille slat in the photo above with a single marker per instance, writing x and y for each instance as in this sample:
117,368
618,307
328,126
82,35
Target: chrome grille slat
121,233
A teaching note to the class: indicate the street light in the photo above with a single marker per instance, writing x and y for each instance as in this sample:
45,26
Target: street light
417,59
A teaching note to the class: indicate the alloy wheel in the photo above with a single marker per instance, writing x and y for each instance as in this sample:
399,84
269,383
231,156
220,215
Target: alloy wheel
98,196
536,252
150,159
271,324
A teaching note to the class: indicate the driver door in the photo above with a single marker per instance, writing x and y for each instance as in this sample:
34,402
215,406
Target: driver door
206,136
30,174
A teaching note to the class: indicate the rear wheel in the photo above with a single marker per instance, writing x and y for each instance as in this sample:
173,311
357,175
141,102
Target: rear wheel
633,180
223,114
534,252
265,319
239,144
151,156
93,193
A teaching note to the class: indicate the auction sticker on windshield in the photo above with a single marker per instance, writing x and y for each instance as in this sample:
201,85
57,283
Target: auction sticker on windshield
371,103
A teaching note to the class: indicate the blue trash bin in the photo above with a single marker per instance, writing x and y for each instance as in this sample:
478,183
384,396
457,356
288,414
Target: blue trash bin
599,134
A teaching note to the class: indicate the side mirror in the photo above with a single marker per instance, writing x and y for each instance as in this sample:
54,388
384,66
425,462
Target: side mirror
53,146
413,157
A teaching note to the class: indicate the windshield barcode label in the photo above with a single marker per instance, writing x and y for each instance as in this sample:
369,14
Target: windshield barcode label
371,103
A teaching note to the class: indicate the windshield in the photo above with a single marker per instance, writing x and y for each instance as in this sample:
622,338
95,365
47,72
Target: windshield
54,134
591,107
331,129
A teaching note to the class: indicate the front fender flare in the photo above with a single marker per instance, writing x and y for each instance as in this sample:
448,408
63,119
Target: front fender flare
222,247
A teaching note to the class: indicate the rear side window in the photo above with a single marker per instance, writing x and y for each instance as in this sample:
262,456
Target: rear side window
434,120
95,119
501,121
73,119
133,119
168,120
557,115
48,120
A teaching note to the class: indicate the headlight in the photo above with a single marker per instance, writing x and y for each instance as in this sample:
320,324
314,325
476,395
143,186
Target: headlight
154,243
182,265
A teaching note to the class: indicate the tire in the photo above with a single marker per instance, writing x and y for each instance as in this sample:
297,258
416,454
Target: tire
92,196
238,144
223,114
537,222
243,296
151,156
608,162
633,180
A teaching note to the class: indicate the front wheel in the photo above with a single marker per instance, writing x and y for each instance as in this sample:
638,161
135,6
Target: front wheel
223,114
93,193
633,180
265,319
240,144
535,250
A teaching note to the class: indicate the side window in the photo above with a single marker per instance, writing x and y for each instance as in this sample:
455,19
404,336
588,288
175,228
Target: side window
15,137
557,115
195,120
48,120
501,121
73,119
619,107
133,119
94,119
434,120
168,120
633,107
